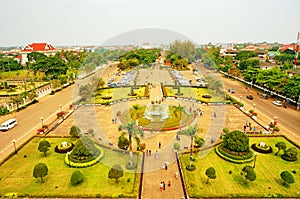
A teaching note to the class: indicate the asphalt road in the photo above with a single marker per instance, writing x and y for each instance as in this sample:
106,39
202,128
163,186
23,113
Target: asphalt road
289,118
29,119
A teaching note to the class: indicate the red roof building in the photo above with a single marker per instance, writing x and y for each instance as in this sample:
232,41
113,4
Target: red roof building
38,47
288,46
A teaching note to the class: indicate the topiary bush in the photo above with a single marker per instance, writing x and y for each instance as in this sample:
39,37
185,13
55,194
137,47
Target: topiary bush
236,141
76,178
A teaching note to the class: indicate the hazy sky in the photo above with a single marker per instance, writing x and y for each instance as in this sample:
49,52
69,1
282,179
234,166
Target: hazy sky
92,22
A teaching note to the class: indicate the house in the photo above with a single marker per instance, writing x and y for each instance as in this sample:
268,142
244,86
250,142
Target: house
266,65
44,48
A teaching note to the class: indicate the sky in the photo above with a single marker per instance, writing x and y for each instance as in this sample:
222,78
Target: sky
93,22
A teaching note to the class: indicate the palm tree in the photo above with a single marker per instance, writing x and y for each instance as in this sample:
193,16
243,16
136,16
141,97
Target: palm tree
191,131
132,131
135,114
179,109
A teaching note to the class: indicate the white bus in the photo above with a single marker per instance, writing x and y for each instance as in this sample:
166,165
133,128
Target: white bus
8,124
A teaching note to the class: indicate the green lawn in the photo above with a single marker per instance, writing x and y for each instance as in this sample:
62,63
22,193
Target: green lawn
16,175
195,93
117,94
268,168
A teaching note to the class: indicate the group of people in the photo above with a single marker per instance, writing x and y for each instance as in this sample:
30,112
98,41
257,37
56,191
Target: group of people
162,185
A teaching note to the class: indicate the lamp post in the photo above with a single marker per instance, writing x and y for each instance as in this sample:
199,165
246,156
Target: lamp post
14,143
42,120
254,107
255,155
60,108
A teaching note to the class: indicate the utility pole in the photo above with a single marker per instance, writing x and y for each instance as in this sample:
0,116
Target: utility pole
297,50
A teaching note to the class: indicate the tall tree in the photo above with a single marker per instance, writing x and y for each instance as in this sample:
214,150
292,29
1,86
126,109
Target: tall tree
40,170
44,146
287,178
280,146
132,131
185,49
210,173
248,173
191,131
75,131
116,172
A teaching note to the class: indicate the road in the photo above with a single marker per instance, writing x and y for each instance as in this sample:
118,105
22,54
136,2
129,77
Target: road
29,119
288,118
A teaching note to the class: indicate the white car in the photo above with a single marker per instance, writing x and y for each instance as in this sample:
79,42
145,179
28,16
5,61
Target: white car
277,103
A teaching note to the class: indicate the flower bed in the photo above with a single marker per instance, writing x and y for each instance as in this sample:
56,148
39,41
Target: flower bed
258,148
232,158
60,149
69,161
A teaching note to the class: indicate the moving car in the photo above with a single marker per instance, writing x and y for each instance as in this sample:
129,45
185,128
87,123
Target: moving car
277,103
250,97
231,90
264,96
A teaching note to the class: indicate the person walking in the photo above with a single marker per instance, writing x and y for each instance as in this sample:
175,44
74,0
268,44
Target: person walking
161,186
164,185
149,152
159,145
166,165
156,155
169,183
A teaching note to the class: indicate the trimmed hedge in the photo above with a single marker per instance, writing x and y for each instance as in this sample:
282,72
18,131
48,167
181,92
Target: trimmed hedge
84,164
259,149
234,159
58,149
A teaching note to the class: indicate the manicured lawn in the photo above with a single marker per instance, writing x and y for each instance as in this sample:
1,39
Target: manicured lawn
117,94
268,168
195,93
16,175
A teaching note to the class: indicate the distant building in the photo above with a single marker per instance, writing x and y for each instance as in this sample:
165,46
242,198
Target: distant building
44,48
266,65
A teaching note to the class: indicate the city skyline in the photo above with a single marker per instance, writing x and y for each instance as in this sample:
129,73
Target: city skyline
94,22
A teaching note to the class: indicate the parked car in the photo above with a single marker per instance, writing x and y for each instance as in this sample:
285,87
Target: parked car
231,90
277,103
250,97
264,96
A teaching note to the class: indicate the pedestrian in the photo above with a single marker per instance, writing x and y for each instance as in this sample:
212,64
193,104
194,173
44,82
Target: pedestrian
156,155
169,183
113,120
149,152
146,152
164,185
250,128
176,175
215,114
166,165
159,145
246,123
161,186
254,128
245,128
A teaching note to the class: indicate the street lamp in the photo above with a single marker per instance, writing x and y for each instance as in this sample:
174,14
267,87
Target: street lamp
255,155
254,107
42,120
60,107
14,142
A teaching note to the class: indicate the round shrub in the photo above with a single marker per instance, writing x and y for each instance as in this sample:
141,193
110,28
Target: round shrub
76,178
236,141
258,148
176,146
290,154
191,168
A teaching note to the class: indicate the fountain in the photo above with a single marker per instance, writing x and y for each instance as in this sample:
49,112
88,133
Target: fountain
157,111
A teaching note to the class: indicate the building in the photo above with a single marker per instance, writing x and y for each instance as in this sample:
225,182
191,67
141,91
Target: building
44,48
